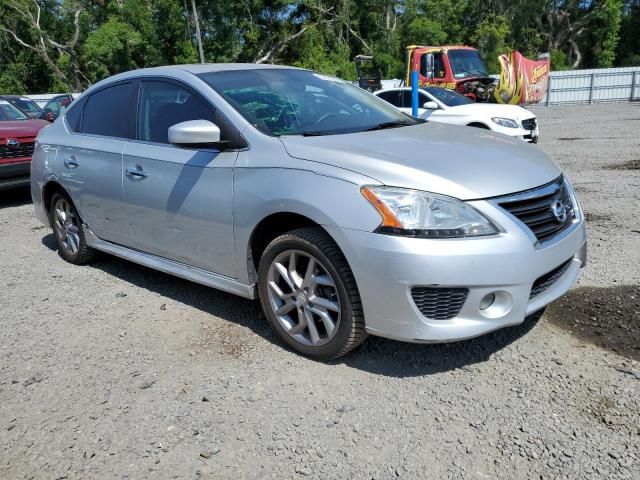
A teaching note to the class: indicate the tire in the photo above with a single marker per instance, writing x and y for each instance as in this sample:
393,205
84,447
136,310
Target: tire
67,229
325,294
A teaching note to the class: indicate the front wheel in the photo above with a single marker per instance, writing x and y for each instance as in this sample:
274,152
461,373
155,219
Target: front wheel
309,295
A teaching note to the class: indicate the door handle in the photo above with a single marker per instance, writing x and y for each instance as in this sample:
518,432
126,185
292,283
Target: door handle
71,162
136,172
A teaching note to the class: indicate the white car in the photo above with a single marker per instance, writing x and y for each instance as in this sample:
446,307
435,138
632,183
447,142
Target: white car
446,106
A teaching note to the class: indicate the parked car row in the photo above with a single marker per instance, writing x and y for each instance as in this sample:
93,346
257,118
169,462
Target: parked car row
343,215
20,121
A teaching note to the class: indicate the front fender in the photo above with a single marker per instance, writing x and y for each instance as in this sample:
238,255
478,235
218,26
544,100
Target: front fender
327,201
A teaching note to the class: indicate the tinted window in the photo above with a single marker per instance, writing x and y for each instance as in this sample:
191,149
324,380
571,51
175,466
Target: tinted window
393,97
25,104
165,104
74,115
406,98
448,97
108,112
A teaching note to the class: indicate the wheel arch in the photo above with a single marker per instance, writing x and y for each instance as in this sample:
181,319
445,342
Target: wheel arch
477,124
270,227
49,190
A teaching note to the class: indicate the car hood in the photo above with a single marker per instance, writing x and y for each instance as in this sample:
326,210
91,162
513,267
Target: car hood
21,128
491,110
462,162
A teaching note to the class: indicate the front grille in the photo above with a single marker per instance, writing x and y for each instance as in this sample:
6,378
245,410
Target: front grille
547,210
24,150
548,279
529,124
439,303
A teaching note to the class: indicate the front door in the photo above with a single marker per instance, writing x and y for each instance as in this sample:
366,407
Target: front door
179,199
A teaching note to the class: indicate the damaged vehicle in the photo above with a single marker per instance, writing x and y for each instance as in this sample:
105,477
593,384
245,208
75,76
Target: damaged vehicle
342,215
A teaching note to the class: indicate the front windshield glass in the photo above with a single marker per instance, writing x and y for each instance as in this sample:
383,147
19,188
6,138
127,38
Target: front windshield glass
9,112
300,102
467,63
448,97
25,104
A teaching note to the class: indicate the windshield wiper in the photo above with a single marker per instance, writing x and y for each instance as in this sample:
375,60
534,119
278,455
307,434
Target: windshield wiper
385,125
317,133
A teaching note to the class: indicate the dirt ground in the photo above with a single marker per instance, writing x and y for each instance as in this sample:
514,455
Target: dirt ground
116,371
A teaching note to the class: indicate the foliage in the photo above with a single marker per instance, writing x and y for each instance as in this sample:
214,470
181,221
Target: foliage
53,45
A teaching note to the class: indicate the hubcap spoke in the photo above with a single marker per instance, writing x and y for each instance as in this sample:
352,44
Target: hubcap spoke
309,274
276,289
286,307
311,325
293,273
282,270
325,303
326,319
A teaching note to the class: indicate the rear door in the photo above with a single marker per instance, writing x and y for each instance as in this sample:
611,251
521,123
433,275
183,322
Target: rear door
91,159
179,198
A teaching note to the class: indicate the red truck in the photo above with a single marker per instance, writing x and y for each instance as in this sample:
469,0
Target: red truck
17,138
461,68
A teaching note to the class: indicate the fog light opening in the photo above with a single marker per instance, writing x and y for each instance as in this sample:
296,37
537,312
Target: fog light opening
487,301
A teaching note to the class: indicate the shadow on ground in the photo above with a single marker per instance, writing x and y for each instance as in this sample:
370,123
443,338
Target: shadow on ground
15,197
607,317
377,355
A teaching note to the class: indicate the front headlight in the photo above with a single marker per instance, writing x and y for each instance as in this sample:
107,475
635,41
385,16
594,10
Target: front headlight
505,122
427,215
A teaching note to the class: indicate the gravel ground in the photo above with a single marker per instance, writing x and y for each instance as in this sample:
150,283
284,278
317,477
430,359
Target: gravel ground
116,371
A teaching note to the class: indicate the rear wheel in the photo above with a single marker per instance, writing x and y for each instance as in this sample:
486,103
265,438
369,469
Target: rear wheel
309,294
67,228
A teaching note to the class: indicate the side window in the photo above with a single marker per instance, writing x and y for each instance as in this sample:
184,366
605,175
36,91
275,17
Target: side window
438,65
432,65
406,98
422,99
393,97
74,115
164,104
107,112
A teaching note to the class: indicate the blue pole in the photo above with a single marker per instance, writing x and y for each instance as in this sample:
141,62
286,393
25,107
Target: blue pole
414,93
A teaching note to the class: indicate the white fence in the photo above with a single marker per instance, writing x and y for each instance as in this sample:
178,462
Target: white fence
593,86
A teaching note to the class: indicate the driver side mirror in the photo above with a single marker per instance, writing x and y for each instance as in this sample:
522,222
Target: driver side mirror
430,105
194,132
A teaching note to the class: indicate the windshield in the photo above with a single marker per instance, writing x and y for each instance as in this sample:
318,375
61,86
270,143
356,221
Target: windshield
467,63
25,104
448,97
9,112
300,102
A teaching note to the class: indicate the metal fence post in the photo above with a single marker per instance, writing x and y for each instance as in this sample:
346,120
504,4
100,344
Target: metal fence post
593,81
633,86
548,101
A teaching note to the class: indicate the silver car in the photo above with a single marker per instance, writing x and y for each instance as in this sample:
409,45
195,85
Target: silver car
344,216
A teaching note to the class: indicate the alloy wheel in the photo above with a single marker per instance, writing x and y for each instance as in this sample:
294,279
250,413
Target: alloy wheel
303,297
67,226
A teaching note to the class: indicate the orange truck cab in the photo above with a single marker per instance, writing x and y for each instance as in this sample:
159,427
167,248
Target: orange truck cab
459,68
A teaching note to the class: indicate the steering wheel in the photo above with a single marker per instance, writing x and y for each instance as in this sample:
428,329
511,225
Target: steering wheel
324,117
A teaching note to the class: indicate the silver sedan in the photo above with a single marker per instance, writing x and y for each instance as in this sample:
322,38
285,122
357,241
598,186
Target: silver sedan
343,215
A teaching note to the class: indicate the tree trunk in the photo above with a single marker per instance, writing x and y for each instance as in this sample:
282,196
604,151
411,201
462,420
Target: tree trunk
198,35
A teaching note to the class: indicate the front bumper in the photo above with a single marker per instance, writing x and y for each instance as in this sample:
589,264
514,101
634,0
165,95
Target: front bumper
14,173
530,136
387,267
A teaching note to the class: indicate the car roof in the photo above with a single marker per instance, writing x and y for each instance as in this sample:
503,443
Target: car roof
193,69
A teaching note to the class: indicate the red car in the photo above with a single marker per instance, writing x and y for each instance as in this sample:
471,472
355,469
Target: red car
17,137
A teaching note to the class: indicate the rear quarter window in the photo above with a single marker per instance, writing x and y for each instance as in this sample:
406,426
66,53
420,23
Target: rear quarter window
74,115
